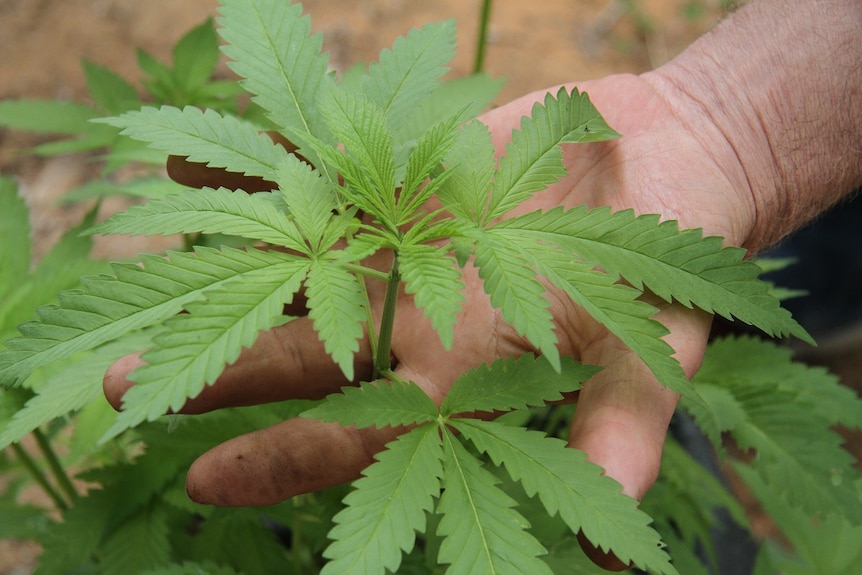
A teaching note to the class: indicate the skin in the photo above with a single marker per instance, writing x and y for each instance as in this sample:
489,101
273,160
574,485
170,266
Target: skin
712,139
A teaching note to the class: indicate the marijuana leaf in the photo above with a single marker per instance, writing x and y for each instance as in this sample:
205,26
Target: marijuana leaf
108,307
361,127
514,383
388,506
14,231
568,484
194,350
311,200
511,282
465,193
482,532
377,404
405,75
336,302
204,136
766,406
534,159
675,265
431,276
252,216
273,49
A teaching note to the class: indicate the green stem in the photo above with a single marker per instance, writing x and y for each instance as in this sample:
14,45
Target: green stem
59,473
482,40
382,360
296,539
38,477
369,272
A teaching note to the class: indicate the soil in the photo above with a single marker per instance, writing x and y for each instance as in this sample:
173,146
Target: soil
534,45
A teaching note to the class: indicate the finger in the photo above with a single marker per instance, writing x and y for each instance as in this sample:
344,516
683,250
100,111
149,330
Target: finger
286,362
623,412
293,457
199,175
287,459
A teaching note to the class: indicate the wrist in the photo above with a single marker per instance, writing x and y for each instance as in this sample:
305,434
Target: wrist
774,91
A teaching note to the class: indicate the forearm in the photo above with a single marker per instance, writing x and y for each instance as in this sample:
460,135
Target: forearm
777,90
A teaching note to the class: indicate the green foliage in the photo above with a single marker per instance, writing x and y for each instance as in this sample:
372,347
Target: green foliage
784,412
205,136
457,488
481,530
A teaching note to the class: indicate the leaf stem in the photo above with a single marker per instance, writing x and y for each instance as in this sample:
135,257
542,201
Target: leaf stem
57,470
38,477
482,40
369,272
382,360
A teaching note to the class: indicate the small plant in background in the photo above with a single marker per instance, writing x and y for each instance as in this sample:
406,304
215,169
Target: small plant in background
190,80
455,492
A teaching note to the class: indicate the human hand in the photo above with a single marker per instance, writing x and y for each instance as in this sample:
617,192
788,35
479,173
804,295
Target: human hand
661,165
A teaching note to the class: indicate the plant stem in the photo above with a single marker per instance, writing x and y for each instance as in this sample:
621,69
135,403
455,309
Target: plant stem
382,360
38,477
482,40
369,272
59,473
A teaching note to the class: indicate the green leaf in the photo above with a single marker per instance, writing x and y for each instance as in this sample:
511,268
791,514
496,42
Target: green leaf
196,56
108,307
139,544
22,521
110,91
237,537
48,117
359,124
797,451
273,49
146,187
829,546
482,532
514,383
568,484
467,95
310,198
192,568
684,503
387,506
514,289
756,360
404,76
60,269
614,305
160,81
377,404
534,159
465,193
198,345
251,216
432,277
675,265
14,231
336,303
204,136
65,387
424,158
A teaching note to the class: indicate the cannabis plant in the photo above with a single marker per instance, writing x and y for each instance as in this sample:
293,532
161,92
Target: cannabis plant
389,161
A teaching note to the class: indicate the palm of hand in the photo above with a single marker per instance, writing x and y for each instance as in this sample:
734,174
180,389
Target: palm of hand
659,166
